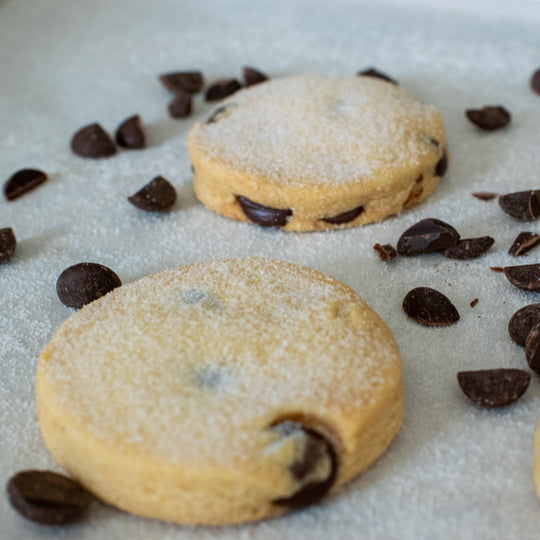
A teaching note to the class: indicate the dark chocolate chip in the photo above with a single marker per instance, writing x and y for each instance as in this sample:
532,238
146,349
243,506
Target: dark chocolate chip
429,307
523,243
426,236
522,321
83,283
474,302
498,269
182,81
470,248
222,89
46,497
489,118
253,76
130,133
535,81
22,182
92,142
526,276
264,215
522,205
180,106
484,195
372,72
316,450
213,118
386,252
345,217
8,243
532,348
156,196
494,387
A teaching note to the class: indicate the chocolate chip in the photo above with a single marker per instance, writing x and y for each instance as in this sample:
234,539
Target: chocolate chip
535,81
532,348
526,276
156,196
180,106
83,283
345,217
222,89
484,195
264,215
489,118
426,236
429,307
522,205
474,302
8,243
182,81
470,248
386,252
522,321
130,133
253,76
22,182
494,387
523,243
214,117
47,497
92,142
372,72
314,452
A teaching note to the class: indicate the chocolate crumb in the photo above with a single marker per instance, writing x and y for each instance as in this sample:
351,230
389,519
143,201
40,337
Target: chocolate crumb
474,302
386,252
496,269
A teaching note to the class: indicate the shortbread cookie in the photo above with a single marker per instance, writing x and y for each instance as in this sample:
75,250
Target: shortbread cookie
309,153
220,392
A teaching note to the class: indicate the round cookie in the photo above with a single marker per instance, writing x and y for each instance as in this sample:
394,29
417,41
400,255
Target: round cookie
220,392
309,153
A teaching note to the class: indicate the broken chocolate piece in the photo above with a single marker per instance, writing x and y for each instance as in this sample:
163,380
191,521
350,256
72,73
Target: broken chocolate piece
489,118
190,82
22,182
130,133
157,196
469,248
484,195
264,215
525,277
429,307
523,243
372,72
474,302
345,217
222,89
46,497
494,387
8,243
535,82
426,236
253,76
92,142
180,106
522,205
498,269
532,348
522,321
386,252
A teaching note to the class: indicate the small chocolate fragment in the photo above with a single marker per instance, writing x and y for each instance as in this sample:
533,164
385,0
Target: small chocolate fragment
386,252
535,82
222,89
426,236
22,182
532,348
264,215
474,302
156,196
8,243
523,243
83,283
213,118
345,217
484,195
429,307
498,269
494,387
180,106
305,468
489,118
525,277
469,248
442,165
46,497
92,142
522,321
372,72
253,76
190,82
130,133
522,205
